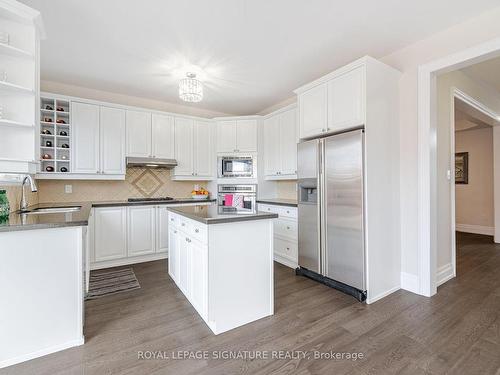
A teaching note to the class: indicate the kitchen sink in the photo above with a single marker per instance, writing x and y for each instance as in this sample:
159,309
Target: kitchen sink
53,210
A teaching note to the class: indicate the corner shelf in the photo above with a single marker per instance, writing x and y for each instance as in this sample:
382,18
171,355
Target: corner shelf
8,50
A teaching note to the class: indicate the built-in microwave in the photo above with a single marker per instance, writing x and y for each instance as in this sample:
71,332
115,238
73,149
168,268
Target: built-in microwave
235,166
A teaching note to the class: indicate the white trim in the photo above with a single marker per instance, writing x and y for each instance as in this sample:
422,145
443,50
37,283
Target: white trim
370,300
285,261
476,229
43,352
281,110
127,261
78,176
409,282
444,274
426,242
462,96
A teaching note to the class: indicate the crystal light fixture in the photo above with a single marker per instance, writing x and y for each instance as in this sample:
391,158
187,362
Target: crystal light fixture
190,89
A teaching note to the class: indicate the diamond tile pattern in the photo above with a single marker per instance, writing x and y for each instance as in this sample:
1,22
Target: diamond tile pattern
138,183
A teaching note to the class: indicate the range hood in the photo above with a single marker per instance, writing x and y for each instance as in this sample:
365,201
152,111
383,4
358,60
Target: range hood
151,162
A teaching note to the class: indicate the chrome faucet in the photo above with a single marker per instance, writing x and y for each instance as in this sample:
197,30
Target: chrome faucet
23,206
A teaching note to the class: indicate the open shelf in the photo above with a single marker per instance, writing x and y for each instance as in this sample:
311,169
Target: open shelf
12,88
6,49
4,122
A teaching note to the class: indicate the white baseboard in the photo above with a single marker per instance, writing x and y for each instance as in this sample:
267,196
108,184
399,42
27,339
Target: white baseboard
476,229
444,273
371,299
127,261
410,282
285,261
41,353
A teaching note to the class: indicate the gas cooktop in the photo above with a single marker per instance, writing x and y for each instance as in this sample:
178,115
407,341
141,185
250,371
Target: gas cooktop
150,199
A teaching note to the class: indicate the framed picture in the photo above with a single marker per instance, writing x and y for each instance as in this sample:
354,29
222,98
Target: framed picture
462,168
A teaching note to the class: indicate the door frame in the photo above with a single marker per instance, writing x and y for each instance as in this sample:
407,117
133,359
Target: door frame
427,154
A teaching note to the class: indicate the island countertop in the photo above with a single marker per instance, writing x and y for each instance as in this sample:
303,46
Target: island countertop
210,215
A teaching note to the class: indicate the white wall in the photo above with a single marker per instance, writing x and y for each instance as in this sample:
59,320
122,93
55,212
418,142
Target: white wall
407,60
474,201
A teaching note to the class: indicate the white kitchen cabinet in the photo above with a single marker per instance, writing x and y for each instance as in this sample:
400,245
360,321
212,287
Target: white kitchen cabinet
246,135
226,136
85,149
163,136
184,147
141,230
185,274
236,135
280,145
194,150
313,111
272,163
110,233
112,136
204,157
139,133
162,229
199,277
288,142
346,96
173,254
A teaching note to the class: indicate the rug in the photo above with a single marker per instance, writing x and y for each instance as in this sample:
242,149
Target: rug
107,282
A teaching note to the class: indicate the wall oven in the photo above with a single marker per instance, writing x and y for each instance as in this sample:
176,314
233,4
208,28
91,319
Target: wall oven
235,166
237,199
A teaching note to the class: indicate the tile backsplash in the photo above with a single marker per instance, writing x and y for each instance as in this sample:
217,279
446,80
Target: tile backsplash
287,189
138,183
14,196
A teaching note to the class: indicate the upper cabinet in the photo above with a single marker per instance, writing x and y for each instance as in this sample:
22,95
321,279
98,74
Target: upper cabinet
333,103
163,136
98,140
236,135
280,145
139,134
194,150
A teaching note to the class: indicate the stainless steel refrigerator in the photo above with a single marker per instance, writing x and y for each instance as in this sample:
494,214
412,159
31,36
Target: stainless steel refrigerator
331,213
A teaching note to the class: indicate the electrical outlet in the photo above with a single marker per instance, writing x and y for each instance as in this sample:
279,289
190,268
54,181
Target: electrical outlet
68,189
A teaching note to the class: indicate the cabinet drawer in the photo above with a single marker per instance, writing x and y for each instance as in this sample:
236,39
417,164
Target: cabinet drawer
173,220
199,231
289,212
285,228
287,249
267,208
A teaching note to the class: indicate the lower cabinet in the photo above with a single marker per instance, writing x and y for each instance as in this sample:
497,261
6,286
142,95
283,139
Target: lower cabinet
285,233
141,230
199,276
173,256
110,234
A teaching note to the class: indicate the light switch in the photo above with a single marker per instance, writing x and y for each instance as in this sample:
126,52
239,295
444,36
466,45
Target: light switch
68,189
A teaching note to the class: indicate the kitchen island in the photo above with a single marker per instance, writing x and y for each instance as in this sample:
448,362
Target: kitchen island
223,264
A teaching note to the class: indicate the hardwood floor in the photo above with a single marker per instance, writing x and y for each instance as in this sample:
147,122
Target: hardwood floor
457,331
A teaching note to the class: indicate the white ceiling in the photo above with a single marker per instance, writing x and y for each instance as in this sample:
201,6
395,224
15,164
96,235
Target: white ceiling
253,53
487,72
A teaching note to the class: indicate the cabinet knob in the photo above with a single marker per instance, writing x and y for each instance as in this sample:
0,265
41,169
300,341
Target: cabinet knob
197,230
323,130
287,227
288,248
287,212
171,219
183,224
175,231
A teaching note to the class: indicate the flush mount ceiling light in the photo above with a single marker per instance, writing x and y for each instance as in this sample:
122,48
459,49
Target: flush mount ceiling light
190,89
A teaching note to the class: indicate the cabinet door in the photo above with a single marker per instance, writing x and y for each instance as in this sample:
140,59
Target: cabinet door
173,256
112,140
313,111
226,136
184,147
140,230
163,136
204,157
288,142
185,265
139,134
161,229
346,97
85,133
110,233
246,136
271,146
199,277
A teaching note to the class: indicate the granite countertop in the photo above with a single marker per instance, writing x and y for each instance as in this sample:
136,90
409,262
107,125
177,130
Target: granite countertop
278,201
22,221
210,215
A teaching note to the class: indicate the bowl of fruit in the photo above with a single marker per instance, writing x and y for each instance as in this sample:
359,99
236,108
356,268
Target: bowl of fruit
199,194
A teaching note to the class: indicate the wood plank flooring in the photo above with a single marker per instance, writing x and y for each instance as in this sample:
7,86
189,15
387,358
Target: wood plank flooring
457,331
